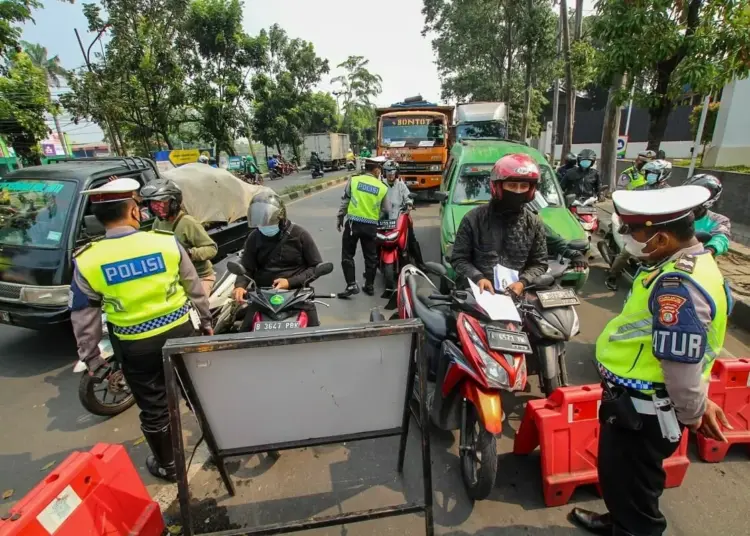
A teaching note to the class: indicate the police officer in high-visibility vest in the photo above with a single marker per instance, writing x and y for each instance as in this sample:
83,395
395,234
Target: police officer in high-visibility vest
655,358
145,283
633,178
361,205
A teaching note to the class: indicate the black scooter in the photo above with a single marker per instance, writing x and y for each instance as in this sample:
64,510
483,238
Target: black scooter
316,170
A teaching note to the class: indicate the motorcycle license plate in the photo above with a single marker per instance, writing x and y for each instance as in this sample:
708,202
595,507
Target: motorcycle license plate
4,317
270,325
557,298
386,225
586,210
503,340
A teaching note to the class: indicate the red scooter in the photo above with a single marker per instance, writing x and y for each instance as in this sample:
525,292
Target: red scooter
392,240
471,360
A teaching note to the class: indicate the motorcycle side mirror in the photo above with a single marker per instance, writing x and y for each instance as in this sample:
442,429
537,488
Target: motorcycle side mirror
569,199
323,268
543,281
441,197
236,268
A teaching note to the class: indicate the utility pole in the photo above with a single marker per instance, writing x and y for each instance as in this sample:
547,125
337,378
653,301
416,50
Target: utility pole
556,99
107,123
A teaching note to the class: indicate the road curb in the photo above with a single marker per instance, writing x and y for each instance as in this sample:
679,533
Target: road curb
305,192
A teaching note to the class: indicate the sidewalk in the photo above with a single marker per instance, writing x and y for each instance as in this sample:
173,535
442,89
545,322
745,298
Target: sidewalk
735,266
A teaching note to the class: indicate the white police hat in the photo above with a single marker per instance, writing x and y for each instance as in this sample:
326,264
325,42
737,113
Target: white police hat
657,207
113,191
377,159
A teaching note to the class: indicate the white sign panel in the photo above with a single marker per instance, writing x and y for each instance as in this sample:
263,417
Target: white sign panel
267,395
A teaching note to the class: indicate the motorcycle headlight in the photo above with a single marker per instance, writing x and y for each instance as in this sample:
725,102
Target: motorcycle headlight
435,168
548,330
45,295
496,375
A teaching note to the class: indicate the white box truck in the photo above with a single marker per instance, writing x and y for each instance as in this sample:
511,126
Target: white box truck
331,148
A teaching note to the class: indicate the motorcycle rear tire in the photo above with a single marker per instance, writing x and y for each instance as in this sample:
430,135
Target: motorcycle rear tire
486,446
93,405
389,276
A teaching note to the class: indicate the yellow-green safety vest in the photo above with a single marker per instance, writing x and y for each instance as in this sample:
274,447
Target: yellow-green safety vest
367,195
624,349
637,179
138,277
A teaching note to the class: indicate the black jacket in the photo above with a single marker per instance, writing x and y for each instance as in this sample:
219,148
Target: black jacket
486,238
295,260
582,183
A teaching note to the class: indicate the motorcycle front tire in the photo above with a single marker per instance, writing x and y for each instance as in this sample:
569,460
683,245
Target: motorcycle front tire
93,405
483,443
389,276
549,383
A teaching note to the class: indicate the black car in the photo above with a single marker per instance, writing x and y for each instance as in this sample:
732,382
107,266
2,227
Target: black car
44,219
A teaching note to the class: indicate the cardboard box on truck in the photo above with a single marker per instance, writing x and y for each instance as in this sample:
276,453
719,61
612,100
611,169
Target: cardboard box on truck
330,146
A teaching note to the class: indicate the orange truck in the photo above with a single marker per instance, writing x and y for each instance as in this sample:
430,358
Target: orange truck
417,135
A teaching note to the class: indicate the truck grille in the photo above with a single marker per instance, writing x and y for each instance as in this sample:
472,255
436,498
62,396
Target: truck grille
10,292
411,167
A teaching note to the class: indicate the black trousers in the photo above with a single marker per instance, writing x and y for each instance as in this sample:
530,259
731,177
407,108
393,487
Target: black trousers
143,369
363,233
632,477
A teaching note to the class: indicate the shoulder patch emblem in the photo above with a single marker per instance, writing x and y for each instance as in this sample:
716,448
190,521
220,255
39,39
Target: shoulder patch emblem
686,264
669,307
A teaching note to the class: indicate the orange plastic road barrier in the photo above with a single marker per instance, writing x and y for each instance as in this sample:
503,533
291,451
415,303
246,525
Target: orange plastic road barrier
94,493
566,427
730,389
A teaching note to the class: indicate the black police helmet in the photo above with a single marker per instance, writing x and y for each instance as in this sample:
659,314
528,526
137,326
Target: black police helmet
711,183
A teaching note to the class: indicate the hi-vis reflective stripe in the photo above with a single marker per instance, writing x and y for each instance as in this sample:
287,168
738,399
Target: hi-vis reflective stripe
634,325
630,335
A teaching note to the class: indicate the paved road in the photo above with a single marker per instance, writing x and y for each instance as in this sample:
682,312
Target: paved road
41,421
295,179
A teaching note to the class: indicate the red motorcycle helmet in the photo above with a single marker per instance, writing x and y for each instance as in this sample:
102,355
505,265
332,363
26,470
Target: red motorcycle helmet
515,168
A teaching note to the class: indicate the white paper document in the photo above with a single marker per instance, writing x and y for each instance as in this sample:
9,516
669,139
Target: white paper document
504,277
497,306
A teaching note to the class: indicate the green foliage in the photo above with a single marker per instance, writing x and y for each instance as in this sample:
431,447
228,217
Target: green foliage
358,86
320,113
40,58
12,14
708,128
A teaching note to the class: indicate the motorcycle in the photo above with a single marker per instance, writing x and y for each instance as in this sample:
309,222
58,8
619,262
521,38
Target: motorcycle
316,170
277,309
351,165
109,381
586,213
391,238
275,173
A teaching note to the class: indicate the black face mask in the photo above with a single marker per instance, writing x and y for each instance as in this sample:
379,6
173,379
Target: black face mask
510,203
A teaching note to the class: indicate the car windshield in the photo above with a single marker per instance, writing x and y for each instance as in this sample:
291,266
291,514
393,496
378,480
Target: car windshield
412,131
473,186
33,212
482,129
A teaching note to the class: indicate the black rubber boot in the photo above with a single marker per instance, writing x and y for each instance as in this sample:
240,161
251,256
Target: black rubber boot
369,287
369,290
161,462
350,290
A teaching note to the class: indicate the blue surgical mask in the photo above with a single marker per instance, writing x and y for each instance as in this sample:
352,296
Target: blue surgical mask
585,164
269,230
651,178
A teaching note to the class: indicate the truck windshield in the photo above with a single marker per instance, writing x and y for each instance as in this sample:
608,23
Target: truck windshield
33,212
473,186
412,131
481,129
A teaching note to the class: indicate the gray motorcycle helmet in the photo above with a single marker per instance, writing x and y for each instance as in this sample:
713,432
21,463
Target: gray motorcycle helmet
266,209
657,172
161,190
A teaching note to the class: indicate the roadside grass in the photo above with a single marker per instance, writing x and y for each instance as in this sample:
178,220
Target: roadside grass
685,162
306,186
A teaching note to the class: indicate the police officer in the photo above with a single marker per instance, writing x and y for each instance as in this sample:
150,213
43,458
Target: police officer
655,359
362,203
144,282
632,178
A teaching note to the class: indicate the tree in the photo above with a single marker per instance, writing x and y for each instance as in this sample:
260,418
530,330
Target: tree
570,90
24,99
320,113
480,47
12,14
282,88
695,44
358,86
219,62
53,72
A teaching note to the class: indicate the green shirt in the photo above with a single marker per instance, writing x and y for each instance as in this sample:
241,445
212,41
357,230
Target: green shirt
194,239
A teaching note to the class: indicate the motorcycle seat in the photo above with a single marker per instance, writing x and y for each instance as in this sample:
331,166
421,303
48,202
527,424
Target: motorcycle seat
436,316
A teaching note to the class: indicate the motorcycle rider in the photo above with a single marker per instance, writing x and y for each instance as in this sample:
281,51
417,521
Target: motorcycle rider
277,254
717,225
655,174
203,159
582,180
503,231
632,178
363,201
164,200
396,199
569,162
145,283
315,162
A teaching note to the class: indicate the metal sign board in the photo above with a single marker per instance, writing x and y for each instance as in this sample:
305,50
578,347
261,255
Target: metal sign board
179,157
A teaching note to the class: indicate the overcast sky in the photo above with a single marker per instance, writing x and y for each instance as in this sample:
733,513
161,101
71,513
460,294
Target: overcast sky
387,32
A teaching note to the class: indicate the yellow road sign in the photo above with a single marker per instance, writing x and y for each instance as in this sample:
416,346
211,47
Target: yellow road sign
183,156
